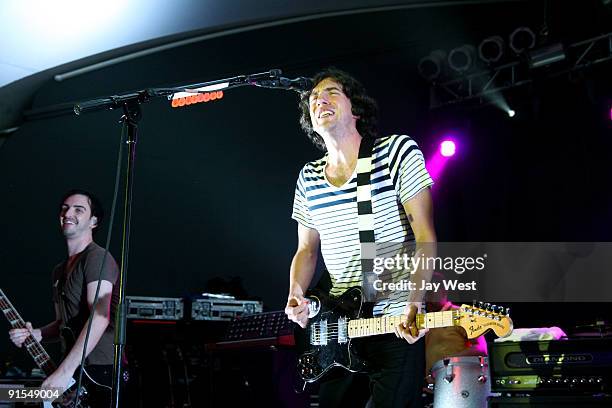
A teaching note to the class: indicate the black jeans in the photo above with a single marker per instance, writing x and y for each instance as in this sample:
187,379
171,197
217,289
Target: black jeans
395,377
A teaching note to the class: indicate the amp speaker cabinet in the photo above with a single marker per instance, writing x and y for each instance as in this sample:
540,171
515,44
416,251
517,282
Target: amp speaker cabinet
550,402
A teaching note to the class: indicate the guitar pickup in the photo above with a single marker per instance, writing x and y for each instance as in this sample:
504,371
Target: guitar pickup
342,330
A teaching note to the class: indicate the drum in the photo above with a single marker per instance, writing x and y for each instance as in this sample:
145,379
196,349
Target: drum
461,382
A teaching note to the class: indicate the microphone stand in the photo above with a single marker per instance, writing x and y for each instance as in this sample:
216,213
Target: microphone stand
132,114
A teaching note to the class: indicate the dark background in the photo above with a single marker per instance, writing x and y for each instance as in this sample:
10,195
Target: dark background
214,181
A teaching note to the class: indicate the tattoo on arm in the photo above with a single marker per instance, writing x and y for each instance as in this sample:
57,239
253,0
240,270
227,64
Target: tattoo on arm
410,218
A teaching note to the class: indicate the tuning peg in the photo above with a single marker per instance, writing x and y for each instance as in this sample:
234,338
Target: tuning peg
480,305
507,311
487,306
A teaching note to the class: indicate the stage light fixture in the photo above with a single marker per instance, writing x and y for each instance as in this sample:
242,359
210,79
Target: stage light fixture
461,59
448,148
491,49
192,99
546,55
432,66
511,113
522,39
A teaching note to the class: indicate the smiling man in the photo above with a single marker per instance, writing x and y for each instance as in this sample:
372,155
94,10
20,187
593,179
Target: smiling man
338,116
74,288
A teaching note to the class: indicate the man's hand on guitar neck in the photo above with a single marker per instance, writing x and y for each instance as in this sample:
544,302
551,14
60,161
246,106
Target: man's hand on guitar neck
297,310
19,336
408,329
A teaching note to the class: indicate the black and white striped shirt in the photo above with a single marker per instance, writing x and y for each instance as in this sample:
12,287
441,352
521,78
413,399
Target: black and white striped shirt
398,174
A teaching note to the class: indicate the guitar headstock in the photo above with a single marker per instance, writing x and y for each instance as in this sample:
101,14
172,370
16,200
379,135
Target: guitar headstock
478,319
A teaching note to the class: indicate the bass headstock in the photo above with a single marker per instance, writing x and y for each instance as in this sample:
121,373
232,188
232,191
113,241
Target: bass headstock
478,319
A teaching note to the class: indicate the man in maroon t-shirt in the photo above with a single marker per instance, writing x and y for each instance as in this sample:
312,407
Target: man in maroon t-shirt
74,287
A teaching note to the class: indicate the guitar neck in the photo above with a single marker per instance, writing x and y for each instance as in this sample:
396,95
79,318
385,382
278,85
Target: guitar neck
387,324
36,351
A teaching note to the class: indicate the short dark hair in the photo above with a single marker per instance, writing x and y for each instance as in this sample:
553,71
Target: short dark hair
362,105
95,204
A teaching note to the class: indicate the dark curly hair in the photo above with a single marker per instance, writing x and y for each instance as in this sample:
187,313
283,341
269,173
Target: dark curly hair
362,105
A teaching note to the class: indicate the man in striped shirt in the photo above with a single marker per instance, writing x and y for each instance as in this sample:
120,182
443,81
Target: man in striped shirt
337,114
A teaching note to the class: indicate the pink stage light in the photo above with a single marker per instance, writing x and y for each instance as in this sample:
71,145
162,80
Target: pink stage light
447,148
437,161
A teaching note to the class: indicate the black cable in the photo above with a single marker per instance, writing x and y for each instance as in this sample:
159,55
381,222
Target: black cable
108,240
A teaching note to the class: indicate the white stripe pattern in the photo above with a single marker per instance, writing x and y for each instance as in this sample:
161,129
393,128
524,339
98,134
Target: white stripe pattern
397,166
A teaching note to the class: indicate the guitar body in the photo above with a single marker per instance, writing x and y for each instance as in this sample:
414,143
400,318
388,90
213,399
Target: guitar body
335,323
96,386
95,390
330,350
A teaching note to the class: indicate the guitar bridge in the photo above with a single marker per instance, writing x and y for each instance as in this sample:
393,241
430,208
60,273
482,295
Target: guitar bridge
318,333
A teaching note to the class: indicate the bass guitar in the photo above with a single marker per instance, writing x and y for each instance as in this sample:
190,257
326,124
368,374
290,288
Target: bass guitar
91,379
336,321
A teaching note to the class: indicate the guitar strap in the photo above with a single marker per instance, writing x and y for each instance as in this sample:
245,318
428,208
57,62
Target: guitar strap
366,218
366,221
61,297
61,294
67,330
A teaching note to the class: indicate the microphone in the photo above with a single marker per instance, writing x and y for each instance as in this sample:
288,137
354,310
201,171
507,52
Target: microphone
299,84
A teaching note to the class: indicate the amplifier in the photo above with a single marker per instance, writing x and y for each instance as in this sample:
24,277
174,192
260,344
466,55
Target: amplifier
154,308
223,309
576,366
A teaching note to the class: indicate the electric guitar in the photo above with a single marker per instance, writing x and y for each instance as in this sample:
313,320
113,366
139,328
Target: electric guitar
336,321
91,379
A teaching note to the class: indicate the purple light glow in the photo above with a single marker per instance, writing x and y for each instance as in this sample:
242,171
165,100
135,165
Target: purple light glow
437,161
435,165
447,148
